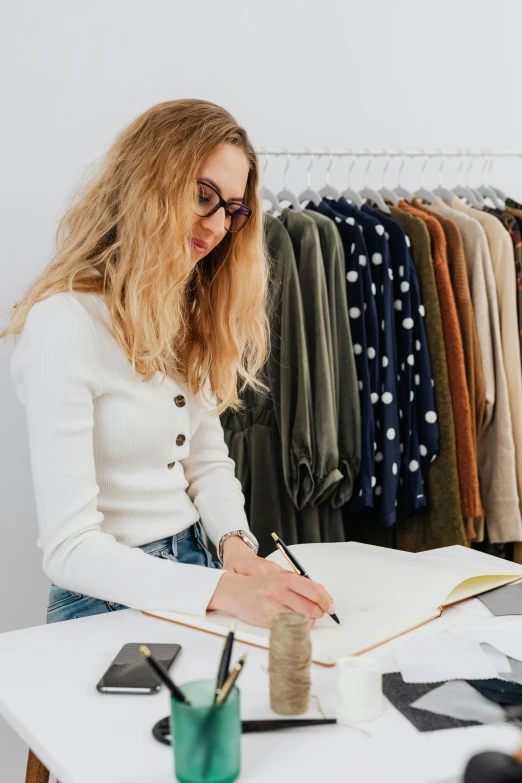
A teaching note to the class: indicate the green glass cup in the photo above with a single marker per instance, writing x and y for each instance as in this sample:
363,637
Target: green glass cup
206,739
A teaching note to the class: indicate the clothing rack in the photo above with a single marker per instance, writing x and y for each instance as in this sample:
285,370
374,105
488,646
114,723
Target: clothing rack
393,153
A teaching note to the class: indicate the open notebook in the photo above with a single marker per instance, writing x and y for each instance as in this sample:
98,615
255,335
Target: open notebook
378,593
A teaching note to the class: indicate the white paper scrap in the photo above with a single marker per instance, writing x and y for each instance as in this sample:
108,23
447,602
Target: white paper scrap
503,633
445,657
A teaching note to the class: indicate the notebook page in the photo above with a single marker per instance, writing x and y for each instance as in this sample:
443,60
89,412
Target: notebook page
430,577
378,594
480,562
366,622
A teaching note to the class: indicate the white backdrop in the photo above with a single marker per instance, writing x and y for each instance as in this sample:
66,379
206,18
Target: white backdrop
406,74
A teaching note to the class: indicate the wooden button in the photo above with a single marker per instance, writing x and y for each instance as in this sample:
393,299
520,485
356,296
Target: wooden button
180,401
111,603
171,465
180,440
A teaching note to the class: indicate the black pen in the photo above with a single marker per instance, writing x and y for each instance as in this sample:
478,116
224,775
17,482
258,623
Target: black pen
160,671
224,663
297,567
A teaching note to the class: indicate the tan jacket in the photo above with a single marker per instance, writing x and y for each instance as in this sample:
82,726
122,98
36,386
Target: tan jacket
503,261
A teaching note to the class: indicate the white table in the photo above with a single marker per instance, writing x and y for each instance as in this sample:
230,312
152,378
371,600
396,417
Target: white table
48,676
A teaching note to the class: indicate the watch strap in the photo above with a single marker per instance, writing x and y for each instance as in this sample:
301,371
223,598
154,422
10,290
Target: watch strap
245,535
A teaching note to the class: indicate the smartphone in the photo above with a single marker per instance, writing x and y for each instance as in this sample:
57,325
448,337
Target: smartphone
130,673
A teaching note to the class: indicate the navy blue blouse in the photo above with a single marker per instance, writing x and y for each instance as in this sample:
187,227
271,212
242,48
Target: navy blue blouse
419,441
382,358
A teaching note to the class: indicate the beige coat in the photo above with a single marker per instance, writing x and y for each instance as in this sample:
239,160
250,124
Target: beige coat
503,261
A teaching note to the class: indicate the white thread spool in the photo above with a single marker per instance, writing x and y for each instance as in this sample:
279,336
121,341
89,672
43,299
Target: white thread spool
359,689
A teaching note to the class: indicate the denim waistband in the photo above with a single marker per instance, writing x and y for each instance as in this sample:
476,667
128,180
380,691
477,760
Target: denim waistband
170,542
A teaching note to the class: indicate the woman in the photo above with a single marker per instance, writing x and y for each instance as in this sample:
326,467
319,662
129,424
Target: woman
132,342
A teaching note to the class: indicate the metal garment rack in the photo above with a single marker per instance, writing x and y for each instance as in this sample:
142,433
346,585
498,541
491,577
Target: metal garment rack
391,153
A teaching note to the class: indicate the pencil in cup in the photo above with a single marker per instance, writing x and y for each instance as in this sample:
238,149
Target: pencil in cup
206,737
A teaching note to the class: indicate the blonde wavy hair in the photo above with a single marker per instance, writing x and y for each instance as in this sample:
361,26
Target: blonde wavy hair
131,222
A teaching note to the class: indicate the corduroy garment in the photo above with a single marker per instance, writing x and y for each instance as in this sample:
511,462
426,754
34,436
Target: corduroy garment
441,523
468,327
466,455
496,448
503,265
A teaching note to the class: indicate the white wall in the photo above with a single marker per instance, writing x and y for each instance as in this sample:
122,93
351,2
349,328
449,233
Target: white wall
341,74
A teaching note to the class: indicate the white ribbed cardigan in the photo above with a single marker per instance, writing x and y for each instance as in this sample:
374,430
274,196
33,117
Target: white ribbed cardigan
101,440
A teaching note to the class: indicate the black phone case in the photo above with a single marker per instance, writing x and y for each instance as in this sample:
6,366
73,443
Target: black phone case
129,672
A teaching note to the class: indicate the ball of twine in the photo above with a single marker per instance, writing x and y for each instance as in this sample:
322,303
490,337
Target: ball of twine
289,659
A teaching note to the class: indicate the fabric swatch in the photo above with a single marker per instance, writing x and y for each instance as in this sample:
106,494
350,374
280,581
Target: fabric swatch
458,699
506,600
401,694
515,675
500,691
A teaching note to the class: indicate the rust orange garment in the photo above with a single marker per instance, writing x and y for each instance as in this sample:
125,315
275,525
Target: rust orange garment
468,328
466,455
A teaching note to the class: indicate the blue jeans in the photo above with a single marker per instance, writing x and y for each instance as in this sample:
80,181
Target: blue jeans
186,546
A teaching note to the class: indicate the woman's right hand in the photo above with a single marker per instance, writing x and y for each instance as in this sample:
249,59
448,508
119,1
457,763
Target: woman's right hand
256,599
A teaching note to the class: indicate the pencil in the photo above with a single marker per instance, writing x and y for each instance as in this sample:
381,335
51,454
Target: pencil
162,674
297,567
230,681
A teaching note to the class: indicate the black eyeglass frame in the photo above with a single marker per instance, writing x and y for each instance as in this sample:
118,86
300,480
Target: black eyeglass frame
225,204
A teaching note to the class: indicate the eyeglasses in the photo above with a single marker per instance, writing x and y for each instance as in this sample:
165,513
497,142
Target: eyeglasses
210,200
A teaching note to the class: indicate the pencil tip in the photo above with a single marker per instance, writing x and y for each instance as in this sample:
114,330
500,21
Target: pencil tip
232,626
144,650
274,536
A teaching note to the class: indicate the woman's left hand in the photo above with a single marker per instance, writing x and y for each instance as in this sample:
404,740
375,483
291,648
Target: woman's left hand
238,558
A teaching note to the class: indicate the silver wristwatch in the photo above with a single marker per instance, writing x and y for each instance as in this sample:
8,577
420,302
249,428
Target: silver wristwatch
245,535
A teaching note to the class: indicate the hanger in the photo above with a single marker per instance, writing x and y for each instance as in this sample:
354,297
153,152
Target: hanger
372,194
309,194
285,194
463,191
479,197
422,193
328,191
401,192
269,195
500,193
385,192
440,190
485,189
349,194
